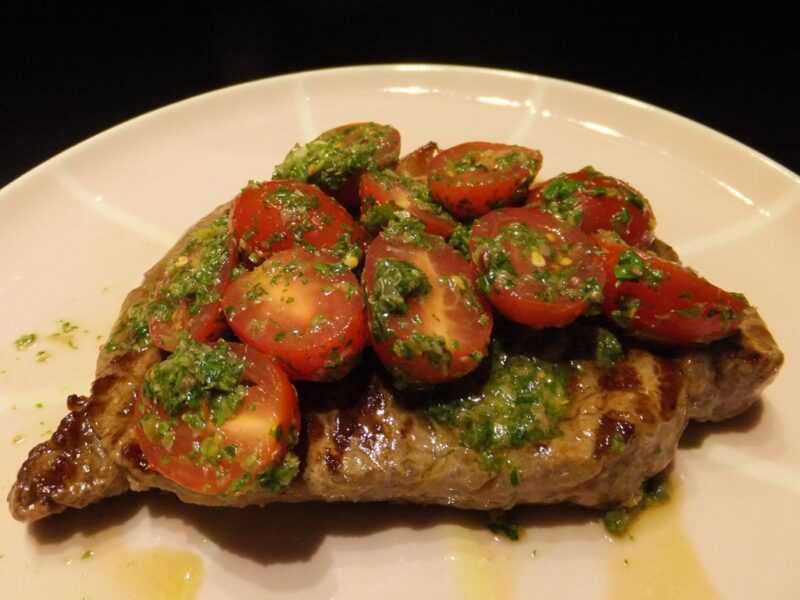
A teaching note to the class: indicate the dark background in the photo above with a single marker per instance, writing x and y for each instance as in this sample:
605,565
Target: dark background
68,72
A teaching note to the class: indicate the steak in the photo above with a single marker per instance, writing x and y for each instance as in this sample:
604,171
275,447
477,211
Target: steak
363,440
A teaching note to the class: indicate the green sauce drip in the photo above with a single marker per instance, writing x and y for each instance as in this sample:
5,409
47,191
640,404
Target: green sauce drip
608,350
655,491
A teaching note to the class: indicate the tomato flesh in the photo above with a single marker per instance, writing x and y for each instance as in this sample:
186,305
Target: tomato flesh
228,458
663,300
436,333
533,269
596,202
385,189
306,311
271,216
473,178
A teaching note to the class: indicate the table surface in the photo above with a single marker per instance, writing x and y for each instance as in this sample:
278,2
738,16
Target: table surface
67,75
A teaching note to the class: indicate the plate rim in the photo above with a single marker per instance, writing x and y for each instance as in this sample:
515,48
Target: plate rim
404,67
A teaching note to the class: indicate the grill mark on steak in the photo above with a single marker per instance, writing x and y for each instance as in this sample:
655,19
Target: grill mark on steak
363,424
333,461
76,403
670,384
612,424
132,452
620,377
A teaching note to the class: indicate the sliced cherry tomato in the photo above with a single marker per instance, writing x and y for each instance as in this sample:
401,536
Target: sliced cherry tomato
533,269
335,160
305,310
595,202
187,298
471,179
385,192
415,163
663,300
428,323
226,459
206,326
271,216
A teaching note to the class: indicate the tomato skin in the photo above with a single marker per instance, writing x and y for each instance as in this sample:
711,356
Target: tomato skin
269,406
207,326
305,310
597,202
473,178
666,302
415,163
335,159
445,331
535,270
270,216
380,189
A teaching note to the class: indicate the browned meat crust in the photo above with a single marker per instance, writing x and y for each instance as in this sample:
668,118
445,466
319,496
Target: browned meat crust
360,441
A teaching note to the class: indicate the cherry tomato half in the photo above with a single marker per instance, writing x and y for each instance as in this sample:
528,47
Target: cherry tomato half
415,163
595,202
428,323
306,311
471,179
271,216
227,458
386,188
187,297
336,158
663,300
533,269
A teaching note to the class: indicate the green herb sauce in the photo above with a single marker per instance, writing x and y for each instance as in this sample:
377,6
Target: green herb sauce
632,267
197,374
504,523
24,342
276,478
330,159
655,491
459,240
608,350
395,281
520,404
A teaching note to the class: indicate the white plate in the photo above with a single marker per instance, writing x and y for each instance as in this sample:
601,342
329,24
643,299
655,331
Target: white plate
78,232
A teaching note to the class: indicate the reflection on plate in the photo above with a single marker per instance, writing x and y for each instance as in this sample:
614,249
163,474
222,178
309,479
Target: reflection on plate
79,231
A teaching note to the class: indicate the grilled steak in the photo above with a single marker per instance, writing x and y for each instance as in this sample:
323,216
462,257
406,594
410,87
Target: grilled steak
362,440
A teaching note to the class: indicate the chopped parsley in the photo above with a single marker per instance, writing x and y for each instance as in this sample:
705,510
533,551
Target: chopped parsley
521,403
608,350
632,267
504,523
395,281
197,374
276,478
459,240
332,158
